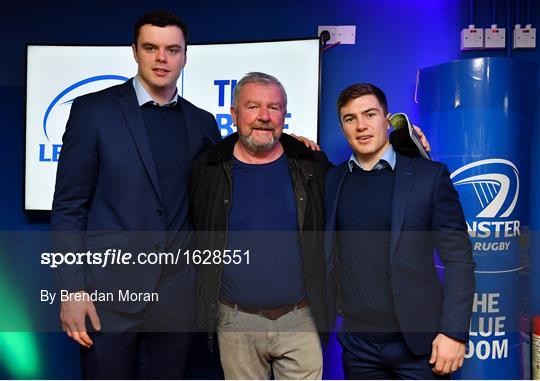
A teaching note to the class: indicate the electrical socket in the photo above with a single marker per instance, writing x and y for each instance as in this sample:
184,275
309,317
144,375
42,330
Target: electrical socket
472,38
524,38
494,38
344,34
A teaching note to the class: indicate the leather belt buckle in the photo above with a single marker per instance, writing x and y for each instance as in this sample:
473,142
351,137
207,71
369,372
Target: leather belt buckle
275,313
269,313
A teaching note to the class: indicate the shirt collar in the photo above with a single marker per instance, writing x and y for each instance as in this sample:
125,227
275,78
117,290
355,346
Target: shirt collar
388,156
143,97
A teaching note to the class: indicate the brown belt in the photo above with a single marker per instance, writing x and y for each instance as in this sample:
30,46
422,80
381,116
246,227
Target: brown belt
269,313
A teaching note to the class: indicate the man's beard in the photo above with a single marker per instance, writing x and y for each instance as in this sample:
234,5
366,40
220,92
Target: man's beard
253,145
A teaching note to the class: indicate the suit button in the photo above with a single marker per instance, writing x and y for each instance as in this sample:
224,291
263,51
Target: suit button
159,212
226,201
156,246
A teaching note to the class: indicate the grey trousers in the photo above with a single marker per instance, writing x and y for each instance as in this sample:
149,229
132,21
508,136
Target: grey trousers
254,347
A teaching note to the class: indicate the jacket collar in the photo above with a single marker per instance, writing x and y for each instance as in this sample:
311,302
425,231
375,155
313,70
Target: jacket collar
223,151
403,181
144,97
132,115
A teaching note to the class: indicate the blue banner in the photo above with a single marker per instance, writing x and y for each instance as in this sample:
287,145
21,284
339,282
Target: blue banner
478,114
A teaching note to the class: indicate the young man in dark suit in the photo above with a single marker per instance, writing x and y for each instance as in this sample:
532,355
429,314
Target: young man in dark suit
385,214
122,184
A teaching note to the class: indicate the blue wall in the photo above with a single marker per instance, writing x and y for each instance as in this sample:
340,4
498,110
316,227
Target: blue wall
394,39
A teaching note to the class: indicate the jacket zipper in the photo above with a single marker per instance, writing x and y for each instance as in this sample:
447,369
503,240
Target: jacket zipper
226,228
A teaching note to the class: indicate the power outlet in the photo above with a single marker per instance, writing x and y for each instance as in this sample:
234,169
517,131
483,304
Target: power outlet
344,34
472,38
494,38
524,38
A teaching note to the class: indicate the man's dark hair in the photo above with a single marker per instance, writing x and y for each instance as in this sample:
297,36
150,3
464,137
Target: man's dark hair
358,90
161,19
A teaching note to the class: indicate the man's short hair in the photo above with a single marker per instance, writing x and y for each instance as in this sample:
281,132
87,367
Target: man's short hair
161,19
359,90
261,79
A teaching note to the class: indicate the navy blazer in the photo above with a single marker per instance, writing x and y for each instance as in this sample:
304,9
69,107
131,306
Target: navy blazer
107,190
426,215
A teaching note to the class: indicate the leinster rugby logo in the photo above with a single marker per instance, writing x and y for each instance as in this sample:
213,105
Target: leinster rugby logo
489,191
494,183
58,117
57,113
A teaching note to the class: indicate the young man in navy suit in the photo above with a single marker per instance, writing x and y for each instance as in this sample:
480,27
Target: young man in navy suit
385,215
122,183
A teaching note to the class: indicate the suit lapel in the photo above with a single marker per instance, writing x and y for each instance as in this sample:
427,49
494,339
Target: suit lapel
132,114
403,180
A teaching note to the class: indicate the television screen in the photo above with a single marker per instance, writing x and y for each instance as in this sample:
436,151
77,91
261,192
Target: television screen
56,75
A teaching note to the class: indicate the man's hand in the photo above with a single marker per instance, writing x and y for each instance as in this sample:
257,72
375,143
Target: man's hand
446,355
73,315
308,142
423,138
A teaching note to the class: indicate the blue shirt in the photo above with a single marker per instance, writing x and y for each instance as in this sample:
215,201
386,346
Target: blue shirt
263,219
364,222
166,130
143,97
388,156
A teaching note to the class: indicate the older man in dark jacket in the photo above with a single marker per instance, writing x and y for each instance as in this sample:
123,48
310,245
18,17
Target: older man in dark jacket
261,192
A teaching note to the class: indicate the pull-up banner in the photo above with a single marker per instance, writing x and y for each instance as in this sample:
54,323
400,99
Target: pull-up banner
478,115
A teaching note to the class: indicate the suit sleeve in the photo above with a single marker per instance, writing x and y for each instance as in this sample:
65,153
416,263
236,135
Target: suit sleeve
216,133
323,164
75,183
455,250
